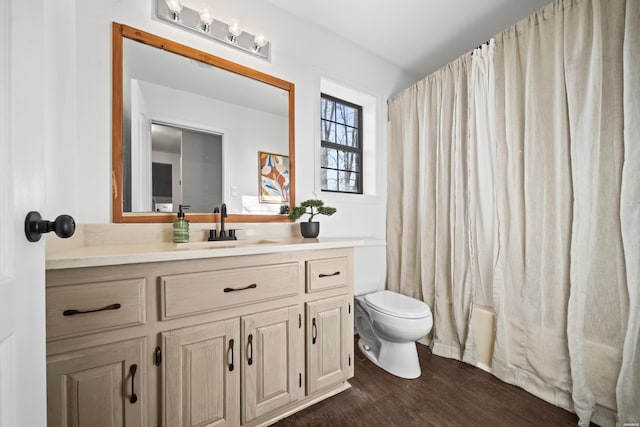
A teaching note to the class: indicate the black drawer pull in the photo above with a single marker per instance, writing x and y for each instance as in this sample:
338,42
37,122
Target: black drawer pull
250,350
134,396
321,275
109,307
231,348
157,357
314,331
251,286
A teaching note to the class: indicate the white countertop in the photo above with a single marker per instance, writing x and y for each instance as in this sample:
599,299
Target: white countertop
103,255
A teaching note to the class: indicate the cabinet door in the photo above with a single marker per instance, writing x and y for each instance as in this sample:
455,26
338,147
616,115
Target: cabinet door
98,387
201,375
272,368
329,342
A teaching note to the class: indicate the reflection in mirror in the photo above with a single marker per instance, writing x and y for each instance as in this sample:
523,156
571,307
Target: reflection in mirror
188,127
186,165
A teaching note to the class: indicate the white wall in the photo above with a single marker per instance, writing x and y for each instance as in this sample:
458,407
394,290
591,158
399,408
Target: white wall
80,71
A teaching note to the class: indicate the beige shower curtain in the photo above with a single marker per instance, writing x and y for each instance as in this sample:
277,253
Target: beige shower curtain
514,183
430,257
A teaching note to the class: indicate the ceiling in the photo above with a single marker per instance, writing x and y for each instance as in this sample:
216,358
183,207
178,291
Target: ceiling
419,36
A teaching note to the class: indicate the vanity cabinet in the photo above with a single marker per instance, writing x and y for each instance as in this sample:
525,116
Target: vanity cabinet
201,375
225,341
329,342
98,386
272,351
205,366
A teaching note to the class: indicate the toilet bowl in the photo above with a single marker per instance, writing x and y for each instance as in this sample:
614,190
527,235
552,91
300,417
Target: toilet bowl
389,323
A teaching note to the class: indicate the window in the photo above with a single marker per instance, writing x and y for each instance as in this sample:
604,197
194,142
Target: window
341,142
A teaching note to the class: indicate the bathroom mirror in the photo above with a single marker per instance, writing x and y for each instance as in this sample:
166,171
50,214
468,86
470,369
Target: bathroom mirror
192,128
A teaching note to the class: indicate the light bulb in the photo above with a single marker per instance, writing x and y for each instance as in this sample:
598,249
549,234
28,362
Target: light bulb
234,31
175,6
206,18
259,42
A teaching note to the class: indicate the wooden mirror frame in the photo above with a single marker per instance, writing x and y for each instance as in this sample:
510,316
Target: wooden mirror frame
119,32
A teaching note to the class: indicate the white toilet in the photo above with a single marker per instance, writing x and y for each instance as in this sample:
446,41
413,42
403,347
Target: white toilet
387,322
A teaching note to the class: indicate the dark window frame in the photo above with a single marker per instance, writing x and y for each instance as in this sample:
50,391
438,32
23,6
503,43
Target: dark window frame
345,148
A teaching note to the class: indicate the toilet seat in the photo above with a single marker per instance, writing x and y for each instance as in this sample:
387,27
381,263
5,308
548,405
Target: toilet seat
398,305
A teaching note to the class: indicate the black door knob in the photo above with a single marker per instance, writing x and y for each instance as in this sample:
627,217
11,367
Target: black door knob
64,226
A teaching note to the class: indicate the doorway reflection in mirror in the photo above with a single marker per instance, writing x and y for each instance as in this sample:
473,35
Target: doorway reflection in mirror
186,167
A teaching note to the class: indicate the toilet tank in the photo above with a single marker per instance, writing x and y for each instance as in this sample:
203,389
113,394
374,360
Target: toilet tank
369,267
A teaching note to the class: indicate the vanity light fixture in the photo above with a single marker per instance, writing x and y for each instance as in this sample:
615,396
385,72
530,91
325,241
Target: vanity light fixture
175,6
206,18
202,22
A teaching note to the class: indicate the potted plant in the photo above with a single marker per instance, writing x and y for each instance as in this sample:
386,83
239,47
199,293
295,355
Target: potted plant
312,208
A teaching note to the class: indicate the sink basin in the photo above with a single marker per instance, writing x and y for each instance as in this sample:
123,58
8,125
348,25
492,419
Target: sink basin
222,244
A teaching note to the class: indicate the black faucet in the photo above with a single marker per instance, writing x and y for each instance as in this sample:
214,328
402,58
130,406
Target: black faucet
223,215
223,234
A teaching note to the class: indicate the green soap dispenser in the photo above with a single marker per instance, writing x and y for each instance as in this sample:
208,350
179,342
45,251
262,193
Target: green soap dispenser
181,226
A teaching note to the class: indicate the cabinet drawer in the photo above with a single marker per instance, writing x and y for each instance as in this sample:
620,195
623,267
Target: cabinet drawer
92,307
327,273
184,294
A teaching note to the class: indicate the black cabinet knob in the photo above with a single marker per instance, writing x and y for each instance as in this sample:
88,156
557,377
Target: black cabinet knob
64,226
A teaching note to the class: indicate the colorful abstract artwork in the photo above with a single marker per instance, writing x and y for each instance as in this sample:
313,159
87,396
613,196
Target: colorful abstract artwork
274,178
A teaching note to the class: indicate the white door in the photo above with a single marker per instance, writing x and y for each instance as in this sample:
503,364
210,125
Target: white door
22,144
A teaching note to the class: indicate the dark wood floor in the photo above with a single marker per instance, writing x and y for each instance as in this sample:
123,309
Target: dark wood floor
448,393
